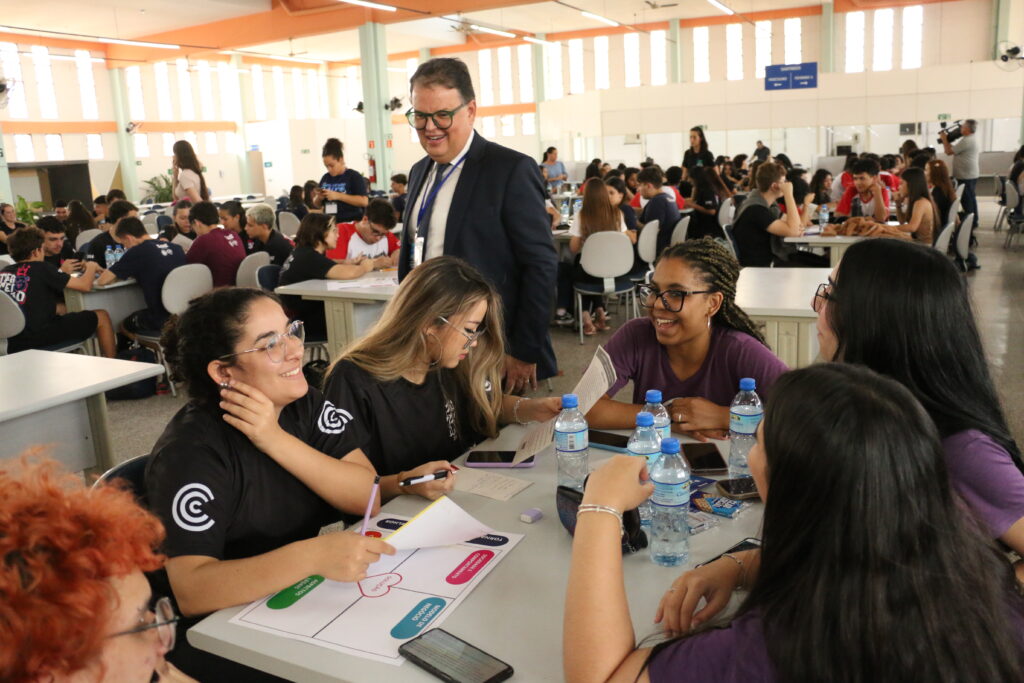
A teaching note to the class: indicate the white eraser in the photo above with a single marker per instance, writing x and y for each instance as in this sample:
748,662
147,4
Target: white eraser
530,516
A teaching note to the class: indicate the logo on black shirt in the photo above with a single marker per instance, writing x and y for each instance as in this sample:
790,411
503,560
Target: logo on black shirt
187,507
333,420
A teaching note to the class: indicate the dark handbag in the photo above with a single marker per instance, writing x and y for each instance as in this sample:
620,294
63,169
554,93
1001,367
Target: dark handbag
143,388
568,501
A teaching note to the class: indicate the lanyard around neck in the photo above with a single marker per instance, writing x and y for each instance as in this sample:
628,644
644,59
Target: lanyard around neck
433,192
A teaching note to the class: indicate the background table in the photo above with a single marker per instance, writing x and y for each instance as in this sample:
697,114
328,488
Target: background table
780,299
514,614
56,399
836,245
119,299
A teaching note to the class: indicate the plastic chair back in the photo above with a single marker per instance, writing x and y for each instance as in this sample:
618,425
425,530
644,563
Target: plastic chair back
647,243
607,254
246,275
963,238
132,471
288,223
945,235
183,284
679,232
12,320
85,237
149,221
268,276
726,212
6,260
960,191
1012,196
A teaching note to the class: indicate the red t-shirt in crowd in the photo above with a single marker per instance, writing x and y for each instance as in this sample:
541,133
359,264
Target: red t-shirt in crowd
221,251
845,205
680,202
351,245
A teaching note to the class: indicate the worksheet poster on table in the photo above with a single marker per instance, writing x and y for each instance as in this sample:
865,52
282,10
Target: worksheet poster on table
403,595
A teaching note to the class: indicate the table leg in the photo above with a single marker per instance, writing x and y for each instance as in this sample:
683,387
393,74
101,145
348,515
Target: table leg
97,407
836,254
340,326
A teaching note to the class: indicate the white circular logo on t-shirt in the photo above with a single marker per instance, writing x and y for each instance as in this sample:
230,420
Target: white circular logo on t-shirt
187,507
333,420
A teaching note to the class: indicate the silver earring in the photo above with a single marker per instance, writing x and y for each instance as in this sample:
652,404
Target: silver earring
709,321
225,385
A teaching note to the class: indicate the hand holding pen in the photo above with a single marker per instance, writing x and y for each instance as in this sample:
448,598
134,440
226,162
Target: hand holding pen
430,480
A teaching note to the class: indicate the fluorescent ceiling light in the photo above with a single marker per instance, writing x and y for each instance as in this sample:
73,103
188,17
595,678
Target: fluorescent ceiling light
140,43
538,41
721,7
494,31
371,5
598,17
99,39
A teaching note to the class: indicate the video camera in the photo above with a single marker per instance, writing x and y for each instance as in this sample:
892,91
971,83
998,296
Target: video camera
953,133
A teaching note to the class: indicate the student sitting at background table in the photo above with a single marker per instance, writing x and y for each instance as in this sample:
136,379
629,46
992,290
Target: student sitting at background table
758,219
297,202
317,233
181,225
232,217
659,206
695,345
259,223
74,603
249,470
99,209
424,384
8,224
369,238
942,191
706,201
844,180
399,194
915,209
218,249
857,578
903,310
618,193
119,209
821,183
56,250
78,221
868,195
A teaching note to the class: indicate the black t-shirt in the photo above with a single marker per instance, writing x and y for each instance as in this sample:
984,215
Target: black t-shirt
306,263
753,240
7,231
277,246
98,248
661,208
705,224
398,203
693,159
149,263
37,286
402,425
942,203
66,252
762,154
249,244
349,182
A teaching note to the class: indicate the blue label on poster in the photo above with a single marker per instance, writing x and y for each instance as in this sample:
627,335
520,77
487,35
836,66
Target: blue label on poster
412,624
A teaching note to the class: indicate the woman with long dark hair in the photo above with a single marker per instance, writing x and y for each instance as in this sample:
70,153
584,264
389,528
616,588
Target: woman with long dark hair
188,182
296,202
915,209
868,571
79,220
705,201
821,184
556,169
698,154
943,193
618,193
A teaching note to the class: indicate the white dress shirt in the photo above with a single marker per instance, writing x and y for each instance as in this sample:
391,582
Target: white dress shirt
442,203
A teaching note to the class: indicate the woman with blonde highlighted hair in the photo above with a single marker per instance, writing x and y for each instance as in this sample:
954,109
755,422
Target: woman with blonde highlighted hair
423,385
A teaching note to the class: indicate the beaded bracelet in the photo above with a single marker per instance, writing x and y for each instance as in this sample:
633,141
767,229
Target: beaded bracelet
603,508
515,410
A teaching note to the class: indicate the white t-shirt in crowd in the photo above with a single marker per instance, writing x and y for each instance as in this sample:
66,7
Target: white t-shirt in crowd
357,247
187,180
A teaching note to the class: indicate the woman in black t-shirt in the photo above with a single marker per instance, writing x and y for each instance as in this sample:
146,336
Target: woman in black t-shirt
342,193
246,474
698,155
706,200
424,382
8,224
942,193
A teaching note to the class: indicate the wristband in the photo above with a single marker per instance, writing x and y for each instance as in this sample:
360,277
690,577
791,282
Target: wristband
603,508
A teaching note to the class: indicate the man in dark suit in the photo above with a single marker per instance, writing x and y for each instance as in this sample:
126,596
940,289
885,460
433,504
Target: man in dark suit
482,202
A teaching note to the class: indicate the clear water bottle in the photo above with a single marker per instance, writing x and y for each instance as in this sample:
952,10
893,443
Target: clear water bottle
823,216
670,533
572,444
645,442
118,253
109,257
745,415
565,211
654,406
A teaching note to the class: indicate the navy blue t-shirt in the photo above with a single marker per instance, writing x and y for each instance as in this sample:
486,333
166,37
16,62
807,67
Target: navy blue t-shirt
664,210
149,263
349,182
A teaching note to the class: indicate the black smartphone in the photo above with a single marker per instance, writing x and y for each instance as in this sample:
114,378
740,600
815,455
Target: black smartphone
704,458
496,459
453,659
745,544
608,440
739,489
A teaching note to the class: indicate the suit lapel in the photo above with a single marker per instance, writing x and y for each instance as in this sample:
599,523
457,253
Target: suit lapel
468,176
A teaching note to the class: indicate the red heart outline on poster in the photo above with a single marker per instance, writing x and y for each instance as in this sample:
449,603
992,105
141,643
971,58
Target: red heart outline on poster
379,585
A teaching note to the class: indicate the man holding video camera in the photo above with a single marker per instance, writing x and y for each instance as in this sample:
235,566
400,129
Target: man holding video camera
965,169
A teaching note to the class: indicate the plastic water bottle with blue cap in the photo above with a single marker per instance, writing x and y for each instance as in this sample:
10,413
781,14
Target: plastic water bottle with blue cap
572,444
823,216
645,442
108,256
745,415
670,503
654,406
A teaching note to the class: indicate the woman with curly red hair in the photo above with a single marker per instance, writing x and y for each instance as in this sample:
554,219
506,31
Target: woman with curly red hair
74,604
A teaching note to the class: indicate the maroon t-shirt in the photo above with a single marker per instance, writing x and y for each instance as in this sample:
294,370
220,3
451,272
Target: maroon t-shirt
221,251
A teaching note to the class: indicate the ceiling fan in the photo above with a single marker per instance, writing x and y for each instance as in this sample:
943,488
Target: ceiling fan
656,5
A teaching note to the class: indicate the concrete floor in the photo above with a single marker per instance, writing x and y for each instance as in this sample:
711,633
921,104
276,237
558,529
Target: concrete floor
136,425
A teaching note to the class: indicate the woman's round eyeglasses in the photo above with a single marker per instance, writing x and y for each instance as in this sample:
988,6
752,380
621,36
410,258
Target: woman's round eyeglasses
163,621
277,343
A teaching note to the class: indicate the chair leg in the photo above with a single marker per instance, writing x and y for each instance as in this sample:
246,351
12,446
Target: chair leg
579,314
999,219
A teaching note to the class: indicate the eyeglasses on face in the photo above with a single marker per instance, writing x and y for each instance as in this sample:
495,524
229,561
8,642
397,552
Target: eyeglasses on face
277,343
470,335
442,118
671,299
163,621
821,295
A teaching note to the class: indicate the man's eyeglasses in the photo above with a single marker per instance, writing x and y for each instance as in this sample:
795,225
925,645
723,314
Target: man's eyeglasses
443,118
821,295
470,336
277,344
164,620
671,299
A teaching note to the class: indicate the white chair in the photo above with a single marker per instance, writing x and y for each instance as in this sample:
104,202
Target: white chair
182,284
963,242
945,235
1013,222
288,223
726,212
12,322
679,232
85,237
960,191
149,221
246,276
6,260
607,255
647,243
1003,198
182,241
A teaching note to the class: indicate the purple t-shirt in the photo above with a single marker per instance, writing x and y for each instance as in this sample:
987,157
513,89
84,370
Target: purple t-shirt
732,355
984,474
735,653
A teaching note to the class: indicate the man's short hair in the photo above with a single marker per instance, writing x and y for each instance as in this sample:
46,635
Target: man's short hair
23,241
115,194
51,224
60,204
446,72
973,124
400,178
651,174
205,213
102,199
673,175
131,226
119,209
380,212
868,166
260,214
768,174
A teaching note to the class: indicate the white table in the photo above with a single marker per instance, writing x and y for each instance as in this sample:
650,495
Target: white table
515,614
56,400
119,299
836,245
780,298
350,312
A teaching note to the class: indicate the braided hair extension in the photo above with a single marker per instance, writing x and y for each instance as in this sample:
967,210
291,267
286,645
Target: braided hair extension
720,271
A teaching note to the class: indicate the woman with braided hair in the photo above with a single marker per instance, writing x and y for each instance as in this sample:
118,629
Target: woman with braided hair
694,346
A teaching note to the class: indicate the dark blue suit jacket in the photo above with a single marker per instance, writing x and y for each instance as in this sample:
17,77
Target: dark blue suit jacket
497,222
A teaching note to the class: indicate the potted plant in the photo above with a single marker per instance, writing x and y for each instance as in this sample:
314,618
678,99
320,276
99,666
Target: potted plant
158,189
26,211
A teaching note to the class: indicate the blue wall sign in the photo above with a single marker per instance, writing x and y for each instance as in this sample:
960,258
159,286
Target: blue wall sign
791,76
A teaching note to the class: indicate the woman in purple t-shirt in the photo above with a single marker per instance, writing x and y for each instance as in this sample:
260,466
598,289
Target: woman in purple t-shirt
856,581
695,345
902,309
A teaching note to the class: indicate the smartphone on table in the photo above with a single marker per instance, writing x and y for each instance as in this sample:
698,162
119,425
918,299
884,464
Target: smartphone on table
453,659
745,544
740,489
496,459
704,458
609,441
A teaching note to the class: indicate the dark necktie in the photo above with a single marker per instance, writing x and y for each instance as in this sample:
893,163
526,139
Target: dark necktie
423,226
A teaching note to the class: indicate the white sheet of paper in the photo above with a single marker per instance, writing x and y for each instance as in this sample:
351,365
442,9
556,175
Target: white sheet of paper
489,484
594,384
440,523
339,285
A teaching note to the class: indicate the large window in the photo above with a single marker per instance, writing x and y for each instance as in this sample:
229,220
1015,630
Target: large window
210,142
659,58
141,143
161,77
24,150
631,51
207,107
734,52
854,42
553,88
280,94
762,47
299,94
701,55
576,85
259,94
881,55
94,145
793,41
133,88
54,147
186,107
524,57
913,30
485,66
44,82
17,108
86,84
506,92
601,68
230,94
